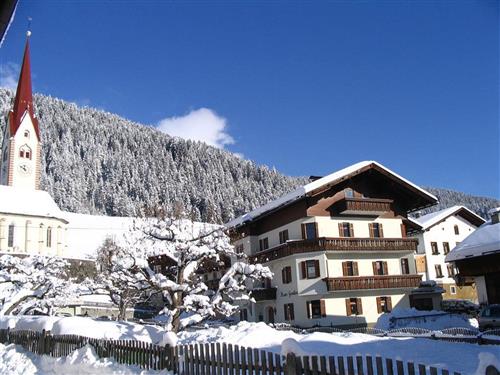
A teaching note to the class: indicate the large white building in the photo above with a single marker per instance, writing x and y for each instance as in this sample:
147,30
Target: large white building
337,247
439,233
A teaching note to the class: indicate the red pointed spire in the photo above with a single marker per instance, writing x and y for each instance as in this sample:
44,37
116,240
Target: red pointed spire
24,98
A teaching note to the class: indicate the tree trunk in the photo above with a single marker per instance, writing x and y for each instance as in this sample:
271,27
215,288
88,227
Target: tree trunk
122,310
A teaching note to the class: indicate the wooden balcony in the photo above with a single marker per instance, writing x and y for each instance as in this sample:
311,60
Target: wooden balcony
362,206
265,294
335,244
372,282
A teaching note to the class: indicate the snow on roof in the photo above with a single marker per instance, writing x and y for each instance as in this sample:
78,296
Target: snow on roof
28,202
303,190
86,233
484,240
433,218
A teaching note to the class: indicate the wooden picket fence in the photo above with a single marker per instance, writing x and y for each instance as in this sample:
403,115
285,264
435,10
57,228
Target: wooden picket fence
216,358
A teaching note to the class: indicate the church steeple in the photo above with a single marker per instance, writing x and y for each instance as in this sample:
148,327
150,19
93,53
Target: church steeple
23,103
21,154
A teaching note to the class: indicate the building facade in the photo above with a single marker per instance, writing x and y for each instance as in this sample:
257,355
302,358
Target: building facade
477,257
337,247
440,232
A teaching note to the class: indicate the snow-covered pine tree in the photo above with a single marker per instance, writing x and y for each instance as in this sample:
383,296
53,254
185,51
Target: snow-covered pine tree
183,252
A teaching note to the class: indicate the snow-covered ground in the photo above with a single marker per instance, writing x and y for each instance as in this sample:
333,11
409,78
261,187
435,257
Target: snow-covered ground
440,354
14,360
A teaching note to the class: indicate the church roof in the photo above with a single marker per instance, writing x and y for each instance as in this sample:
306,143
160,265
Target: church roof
23,103
28,202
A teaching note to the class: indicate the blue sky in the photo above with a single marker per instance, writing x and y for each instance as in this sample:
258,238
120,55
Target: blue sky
305,87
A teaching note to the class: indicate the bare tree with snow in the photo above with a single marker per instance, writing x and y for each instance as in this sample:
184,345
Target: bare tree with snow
34,282
186,251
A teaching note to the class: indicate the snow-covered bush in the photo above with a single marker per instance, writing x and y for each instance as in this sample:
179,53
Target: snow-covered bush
34,282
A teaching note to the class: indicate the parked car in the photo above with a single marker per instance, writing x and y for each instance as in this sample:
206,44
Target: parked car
460,306
489,318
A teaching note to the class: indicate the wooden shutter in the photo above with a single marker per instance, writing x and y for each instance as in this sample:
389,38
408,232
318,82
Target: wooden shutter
292,314
348,306
289,274
303,271
374,265
379,305
341,231
381,230
370,227
308,307
283,275
351,229
322,307
316,267
316,229
403,231
389,303
303,228
355,268
360,306
344,269
385,269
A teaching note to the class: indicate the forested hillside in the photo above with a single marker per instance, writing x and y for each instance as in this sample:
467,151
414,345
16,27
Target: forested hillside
97,162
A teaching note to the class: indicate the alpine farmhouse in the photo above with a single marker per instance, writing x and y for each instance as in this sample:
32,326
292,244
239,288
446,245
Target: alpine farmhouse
338,248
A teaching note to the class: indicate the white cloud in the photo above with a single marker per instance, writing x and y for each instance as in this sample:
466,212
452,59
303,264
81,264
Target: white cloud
9,73
198,125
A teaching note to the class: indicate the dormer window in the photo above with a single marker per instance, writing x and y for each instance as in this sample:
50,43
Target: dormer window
26,134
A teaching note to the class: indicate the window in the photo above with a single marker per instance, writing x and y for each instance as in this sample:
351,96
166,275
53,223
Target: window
309,269
353,306
439,273
25,152
434,248
316,309
49,237
289,313
243,314
456,229
405,266
349,193
309,231
266,283
10,241
446,247
380,268
286,275
157,268
26,134
451,270
346,230
376,230
453,289
350,268
263,244
283,236
239,249
384,304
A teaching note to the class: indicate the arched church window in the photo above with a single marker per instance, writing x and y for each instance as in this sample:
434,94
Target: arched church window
27,235
26,134
25,152
10,241
49,237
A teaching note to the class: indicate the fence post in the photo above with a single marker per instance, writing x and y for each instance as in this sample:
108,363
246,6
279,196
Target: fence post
290,364
492,370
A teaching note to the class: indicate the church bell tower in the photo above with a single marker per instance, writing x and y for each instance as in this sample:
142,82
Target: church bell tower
20,158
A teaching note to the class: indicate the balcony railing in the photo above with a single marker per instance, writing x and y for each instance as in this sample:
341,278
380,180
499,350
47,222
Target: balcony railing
335,244
264,294
362,206
372,282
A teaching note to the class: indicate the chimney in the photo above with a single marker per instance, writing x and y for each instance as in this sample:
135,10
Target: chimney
494,214
314,178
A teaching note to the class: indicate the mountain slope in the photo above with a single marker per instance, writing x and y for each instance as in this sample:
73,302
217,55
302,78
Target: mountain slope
99,163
